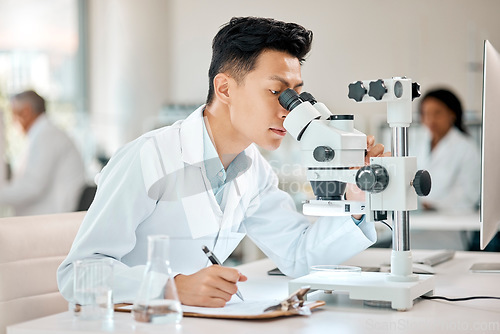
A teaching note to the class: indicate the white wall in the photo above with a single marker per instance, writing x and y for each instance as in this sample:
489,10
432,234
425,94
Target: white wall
129,61
3,165
151,52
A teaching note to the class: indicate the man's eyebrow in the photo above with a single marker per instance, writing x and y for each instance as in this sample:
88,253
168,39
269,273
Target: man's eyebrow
284,81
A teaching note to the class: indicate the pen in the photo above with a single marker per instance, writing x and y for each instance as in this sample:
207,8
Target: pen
211,256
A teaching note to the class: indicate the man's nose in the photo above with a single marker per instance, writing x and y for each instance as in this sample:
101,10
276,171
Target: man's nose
283,112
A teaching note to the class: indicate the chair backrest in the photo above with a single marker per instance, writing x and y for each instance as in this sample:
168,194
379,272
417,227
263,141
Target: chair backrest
31,249
86,198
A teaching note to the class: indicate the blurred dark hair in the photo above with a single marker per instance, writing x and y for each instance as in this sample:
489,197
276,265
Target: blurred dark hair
451,101
239,43
30,96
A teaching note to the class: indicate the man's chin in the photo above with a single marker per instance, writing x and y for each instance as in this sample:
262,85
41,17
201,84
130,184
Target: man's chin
270,147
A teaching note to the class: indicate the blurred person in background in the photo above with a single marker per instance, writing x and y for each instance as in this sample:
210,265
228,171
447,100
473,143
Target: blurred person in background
449,153
51,175
452,158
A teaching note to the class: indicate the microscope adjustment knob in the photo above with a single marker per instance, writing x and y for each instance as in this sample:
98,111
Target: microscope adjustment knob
422,183
415,90
377,89
356,91
373,178
323,154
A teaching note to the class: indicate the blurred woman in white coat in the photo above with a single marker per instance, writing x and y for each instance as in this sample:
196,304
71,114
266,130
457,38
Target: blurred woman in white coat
452,158
449,153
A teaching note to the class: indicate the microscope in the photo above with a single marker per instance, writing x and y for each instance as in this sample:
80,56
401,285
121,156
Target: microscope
334,153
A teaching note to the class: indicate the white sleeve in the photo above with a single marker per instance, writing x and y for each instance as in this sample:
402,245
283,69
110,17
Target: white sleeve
292,242
108,229
43,155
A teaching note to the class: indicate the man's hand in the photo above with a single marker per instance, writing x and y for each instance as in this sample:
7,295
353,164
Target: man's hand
210,287
353,193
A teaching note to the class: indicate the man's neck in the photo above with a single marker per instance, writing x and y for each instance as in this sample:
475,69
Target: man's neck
32,121
227,141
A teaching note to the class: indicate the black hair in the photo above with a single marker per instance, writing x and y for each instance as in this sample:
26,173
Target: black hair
451,101
36,101
239,43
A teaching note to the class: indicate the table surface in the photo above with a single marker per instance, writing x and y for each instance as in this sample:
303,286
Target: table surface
339,315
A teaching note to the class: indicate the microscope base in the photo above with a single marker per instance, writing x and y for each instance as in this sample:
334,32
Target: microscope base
369,286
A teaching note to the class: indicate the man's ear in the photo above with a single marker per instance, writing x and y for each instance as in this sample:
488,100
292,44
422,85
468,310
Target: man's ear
221,87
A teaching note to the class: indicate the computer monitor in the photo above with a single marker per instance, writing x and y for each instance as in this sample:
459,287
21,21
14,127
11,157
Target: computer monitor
490,153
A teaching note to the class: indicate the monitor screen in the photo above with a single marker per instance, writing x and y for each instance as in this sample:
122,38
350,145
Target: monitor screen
490,153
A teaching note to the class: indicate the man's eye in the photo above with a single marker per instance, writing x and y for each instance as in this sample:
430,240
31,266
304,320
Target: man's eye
274,92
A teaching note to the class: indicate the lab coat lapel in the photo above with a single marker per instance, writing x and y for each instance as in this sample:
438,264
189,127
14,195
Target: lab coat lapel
195,198
234,214
234,207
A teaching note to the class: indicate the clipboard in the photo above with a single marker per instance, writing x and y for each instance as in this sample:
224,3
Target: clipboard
293,305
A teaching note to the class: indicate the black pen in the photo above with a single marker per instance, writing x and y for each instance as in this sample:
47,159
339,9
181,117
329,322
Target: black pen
211,256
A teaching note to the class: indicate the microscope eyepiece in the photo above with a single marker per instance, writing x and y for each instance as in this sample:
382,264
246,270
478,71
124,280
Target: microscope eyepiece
289,99
307,97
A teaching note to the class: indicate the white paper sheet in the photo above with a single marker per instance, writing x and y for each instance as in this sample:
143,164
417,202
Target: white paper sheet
234,308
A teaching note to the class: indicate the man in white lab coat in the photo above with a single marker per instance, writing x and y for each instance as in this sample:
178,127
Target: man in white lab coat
202,181
51,175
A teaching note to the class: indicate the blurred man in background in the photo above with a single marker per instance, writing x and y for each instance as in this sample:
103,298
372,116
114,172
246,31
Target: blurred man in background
51,175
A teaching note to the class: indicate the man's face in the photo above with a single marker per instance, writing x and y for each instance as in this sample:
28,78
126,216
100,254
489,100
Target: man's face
254,109
22,114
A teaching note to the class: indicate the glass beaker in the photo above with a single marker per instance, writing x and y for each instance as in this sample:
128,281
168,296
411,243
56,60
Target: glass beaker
157,301
93,289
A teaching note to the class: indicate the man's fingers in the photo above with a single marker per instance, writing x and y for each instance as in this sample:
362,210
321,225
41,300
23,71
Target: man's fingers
242,278
224,279
376,151
211,302
229,274
370,141
226,288
210,287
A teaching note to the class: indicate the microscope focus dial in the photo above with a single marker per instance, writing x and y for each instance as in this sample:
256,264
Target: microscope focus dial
323,154
422,183
373,178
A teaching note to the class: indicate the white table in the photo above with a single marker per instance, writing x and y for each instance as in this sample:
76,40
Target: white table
340,315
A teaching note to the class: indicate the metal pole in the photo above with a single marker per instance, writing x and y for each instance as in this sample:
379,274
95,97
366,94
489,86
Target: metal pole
400,219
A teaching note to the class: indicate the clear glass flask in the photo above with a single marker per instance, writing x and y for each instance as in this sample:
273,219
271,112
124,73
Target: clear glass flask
157,301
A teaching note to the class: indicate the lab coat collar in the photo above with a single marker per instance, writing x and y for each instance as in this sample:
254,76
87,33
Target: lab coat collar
37,125
191,135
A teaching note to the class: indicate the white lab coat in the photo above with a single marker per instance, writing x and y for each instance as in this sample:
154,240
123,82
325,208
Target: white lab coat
455,168
51,176
157,185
